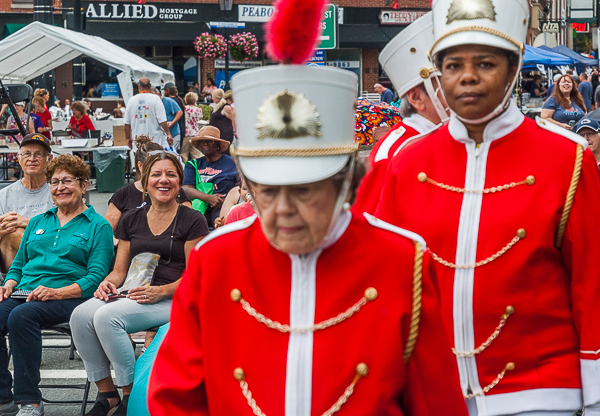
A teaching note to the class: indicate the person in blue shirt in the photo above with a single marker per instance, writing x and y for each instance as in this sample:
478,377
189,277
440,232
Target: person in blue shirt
174,113
565,106
64,255
586,90
387,95
214,167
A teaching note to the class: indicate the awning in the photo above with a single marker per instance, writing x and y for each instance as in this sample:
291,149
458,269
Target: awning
535,56
38,48
11,28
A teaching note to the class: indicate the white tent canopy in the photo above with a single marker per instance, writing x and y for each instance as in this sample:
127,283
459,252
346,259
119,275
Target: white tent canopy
38,48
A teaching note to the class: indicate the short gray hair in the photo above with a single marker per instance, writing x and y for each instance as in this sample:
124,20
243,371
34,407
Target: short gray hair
406,108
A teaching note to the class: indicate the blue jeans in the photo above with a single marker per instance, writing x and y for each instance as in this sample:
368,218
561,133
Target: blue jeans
23,322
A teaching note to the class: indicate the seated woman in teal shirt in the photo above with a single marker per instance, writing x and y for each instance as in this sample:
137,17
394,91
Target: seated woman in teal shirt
64,255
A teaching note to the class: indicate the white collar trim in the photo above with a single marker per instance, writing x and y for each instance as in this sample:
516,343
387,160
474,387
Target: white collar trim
419,123
498,127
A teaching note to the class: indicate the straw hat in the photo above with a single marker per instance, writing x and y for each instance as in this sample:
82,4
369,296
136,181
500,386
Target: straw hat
210,133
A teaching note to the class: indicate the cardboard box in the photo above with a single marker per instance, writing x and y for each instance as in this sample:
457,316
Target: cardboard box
119,136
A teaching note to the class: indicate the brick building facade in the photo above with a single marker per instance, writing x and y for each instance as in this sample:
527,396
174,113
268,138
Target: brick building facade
163,33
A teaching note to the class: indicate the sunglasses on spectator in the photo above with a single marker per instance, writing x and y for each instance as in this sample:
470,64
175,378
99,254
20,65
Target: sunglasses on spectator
37,155
68,181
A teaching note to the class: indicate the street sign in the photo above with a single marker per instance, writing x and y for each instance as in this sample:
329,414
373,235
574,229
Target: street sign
318,59
228,25
329,27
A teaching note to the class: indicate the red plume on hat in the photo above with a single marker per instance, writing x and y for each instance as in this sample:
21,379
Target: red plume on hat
294,29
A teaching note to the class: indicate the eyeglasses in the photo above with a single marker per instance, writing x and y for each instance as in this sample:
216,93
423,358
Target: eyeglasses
66,181
37,155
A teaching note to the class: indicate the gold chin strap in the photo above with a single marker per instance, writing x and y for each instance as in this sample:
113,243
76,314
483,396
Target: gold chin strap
296,152
570,196
482,29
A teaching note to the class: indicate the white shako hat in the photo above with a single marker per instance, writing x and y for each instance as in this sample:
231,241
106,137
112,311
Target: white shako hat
406,57
499,23
406,61
295,124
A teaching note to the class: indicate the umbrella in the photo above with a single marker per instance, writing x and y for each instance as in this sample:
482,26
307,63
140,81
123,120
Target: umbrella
372,114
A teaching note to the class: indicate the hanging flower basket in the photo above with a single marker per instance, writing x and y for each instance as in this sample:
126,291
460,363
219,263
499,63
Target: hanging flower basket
210,46
243,46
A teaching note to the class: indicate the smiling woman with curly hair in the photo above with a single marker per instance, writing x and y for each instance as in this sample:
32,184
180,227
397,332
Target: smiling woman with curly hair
64,255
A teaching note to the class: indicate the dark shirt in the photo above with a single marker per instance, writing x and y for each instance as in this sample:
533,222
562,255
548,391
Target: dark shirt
181,121
222,173
129,197
223,123
534,87
564,115
387,96
133,227
586,90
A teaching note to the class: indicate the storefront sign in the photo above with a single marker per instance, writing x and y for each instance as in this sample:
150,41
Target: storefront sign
255,13
220,63
344,64
134,11
550,27
318,59
395,17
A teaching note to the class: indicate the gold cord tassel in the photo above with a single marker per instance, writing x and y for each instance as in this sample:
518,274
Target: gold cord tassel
416,303
570,197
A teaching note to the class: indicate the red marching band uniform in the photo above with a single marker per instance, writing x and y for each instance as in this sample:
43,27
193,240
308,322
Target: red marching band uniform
512,227
405,59
311,370
258,331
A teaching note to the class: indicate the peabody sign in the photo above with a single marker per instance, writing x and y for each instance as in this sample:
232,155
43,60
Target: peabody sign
134,11
395,17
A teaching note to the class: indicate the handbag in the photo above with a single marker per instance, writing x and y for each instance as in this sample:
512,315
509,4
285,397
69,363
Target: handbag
204,187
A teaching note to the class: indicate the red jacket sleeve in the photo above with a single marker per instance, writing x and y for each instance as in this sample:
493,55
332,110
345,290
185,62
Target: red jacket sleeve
386,207
581,252
433,386
176,385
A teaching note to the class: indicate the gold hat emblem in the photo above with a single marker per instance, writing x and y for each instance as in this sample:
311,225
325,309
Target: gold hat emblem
288,115
471,10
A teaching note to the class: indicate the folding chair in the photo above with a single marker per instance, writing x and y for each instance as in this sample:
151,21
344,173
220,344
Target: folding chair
65,329
11,94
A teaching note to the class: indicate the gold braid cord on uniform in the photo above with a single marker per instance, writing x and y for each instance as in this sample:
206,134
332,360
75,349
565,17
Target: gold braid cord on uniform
422,177
415,317
520,235
507,367
297,152
369,296
570,196
361,371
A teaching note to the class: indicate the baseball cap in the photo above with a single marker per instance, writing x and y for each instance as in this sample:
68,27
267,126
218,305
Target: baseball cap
588,123
169,85
36,138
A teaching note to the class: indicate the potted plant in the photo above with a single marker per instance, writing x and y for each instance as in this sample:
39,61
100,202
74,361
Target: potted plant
210,45
243,46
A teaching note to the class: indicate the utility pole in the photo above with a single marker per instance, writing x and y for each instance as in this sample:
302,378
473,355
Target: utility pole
43,11
77,62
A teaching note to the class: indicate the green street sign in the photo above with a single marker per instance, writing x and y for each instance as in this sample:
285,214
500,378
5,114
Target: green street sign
329,26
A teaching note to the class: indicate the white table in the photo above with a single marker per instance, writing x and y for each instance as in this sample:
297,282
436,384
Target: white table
103,125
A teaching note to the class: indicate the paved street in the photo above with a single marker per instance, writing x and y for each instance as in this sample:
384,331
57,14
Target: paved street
57,369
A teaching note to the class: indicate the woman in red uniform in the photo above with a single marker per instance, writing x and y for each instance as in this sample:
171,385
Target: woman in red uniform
281,313
508,224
